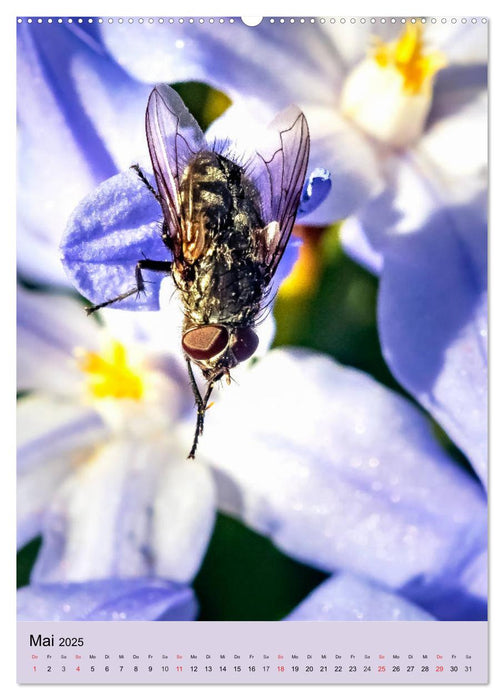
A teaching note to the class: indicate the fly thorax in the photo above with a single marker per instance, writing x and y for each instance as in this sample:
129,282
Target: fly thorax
220,209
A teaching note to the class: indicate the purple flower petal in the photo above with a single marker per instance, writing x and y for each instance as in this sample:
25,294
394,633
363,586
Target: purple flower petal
475,576
433,323
109,600
109,232
279,63
464,43
465,601
335,145
343,473
54,436
350,158
135,508
456,87
430,231
352,41
183,517
346,597
359,246
453,602
50,329
440,145
80,120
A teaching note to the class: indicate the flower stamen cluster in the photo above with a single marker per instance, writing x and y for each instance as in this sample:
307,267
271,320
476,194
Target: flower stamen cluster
110,375
408,56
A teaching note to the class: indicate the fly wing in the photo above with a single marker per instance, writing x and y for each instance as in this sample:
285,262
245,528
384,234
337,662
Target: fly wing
280,180
173,137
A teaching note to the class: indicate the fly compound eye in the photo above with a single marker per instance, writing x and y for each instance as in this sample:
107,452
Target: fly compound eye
245,344
205,342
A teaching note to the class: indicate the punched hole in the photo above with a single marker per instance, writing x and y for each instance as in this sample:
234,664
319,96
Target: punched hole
252,21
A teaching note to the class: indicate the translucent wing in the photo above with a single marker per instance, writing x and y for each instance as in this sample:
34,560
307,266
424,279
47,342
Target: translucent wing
173,137
280,180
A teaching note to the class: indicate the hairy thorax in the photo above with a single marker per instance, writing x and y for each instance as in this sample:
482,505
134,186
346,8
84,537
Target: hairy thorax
222,280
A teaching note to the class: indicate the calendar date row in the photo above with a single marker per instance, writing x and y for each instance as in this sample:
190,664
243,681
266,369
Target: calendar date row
282,668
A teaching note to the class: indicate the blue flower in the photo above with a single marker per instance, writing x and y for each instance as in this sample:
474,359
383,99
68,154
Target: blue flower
398,115
102,469
338,471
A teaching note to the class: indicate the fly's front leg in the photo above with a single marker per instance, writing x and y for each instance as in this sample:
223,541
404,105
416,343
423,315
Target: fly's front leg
201,405
165,233
146,264
143,178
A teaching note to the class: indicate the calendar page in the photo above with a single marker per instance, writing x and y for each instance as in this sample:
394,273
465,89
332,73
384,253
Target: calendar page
252,350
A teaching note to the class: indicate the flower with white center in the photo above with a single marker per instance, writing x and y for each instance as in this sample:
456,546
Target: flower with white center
389,94
339,472
371,92
102,468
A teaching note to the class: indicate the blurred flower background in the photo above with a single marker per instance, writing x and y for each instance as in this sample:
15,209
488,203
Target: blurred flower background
344,475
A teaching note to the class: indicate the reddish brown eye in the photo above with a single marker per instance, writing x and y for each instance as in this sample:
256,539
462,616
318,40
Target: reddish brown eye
205,342
245,344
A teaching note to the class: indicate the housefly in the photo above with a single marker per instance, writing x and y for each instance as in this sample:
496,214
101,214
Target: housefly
226,225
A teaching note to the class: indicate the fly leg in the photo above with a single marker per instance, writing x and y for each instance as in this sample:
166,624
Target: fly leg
165,233
201,404
146,264
143,178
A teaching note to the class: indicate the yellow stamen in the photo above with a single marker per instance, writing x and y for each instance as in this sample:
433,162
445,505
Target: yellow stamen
389,94
407,55
110,376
